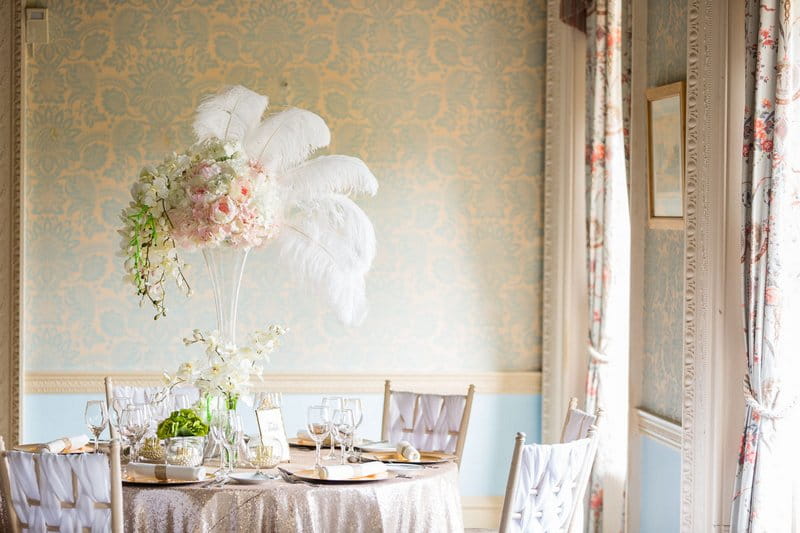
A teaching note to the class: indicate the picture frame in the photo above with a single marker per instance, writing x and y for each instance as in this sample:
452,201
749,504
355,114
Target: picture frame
666,155
270,424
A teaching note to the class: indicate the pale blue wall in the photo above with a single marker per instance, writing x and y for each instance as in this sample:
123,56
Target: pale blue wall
495,420
660,490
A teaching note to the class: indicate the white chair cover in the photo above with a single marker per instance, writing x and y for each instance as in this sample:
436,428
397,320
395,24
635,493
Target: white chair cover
65,492
427,421
145,395
577,425
547,486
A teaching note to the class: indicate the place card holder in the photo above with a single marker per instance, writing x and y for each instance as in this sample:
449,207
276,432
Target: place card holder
270,425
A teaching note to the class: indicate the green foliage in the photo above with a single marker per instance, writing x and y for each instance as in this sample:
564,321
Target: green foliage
183,423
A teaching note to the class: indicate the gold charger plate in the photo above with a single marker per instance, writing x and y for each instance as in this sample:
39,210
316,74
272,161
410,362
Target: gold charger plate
303,443
312,476
425,458
35,448
140,480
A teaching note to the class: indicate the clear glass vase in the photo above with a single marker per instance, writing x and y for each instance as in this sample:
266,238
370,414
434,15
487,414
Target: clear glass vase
225,266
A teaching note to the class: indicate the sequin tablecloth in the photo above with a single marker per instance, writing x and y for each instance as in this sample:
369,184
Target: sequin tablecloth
429,501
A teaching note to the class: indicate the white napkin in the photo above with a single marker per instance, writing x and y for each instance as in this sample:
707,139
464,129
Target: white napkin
66,444
351,471
407,451
164,472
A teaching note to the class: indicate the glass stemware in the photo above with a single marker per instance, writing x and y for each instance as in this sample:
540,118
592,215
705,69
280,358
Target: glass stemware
96,417
333,403
133,425
181,401
226,428
318,423
118,404
354,404
342,427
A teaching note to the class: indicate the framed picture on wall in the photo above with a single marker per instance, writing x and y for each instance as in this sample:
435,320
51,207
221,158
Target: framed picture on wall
666,134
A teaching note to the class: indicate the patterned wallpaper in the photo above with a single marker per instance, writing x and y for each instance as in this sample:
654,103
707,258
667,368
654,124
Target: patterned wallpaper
444,101
664,249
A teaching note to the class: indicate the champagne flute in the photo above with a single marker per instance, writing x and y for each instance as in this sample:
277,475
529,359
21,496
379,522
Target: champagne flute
342,427
318,423
333,403
354,404
96,418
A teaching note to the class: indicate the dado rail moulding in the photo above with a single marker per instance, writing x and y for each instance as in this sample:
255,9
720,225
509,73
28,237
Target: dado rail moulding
485,382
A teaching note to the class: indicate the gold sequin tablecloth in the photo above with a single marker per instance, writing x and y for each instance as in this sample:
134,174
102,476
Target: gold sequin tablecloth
429,502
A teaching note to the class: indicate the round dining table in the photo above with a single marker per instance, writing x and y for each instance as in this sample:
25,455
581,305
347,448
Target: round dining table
422,500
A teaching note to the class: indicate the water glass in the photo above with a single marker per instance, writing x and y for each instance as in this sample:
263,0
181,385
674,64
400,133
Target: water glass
354,404
226,428
333,403
318,423
342,427
133,425
96,417
118,404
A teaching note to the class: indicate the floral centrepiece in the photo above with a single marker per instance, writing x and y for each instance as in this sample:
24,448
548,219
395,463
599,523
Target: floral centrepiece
245,183
210,195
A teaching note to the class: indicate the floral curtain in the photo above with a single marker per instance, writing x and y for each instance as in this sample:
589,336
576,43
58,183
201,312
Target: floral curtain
766,494
608,230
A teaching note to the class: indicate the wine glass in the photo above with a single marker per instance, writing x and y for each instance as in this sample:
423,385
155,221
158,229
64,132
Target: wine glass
226,428
96,418
117,405
354,404
133,425
342,427
333,403
318,423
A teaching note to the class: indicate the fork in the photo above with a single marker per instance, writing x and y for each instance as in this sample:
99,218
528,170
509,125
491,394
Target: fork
288,477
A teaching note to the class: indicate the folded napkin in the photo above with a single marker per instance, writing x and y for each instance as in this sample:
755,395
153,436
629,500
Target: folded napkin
164,472
407,451
65,444
351,471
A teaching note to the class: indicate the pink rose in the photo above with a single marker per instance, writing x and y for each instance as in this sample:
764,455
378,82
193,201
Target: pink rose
223,211
207,171
241,190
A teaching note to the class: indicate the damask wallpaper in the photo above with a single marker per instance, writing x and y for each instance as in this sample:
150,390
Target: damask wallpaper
664,249
444,101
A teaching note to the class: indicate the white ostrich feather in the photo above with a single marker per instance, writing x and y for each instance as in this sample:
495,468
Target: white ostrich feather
330,244
229,115
329,174
286,139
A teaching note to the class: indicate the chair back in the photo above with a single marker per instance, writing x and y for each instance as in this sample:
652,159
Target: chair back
547,483
430,422
576,423
62,492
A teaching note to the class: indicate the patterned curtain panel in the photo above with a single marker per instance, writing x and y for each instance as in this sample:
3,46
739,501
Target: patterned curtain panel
608,261
766,493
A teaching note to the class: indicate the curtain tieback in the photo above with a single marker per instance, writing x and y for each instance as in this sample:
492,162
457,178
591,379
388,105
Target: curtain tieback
758,407
598,358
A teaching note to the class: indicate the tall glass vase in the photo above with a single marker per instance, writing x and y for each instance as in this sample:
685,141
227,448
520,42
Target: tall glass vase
225,266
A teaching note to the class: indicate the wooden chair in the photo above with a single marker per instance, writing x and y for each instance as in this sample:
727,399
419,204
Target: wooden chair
428,421
554,481
577,422
46,488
